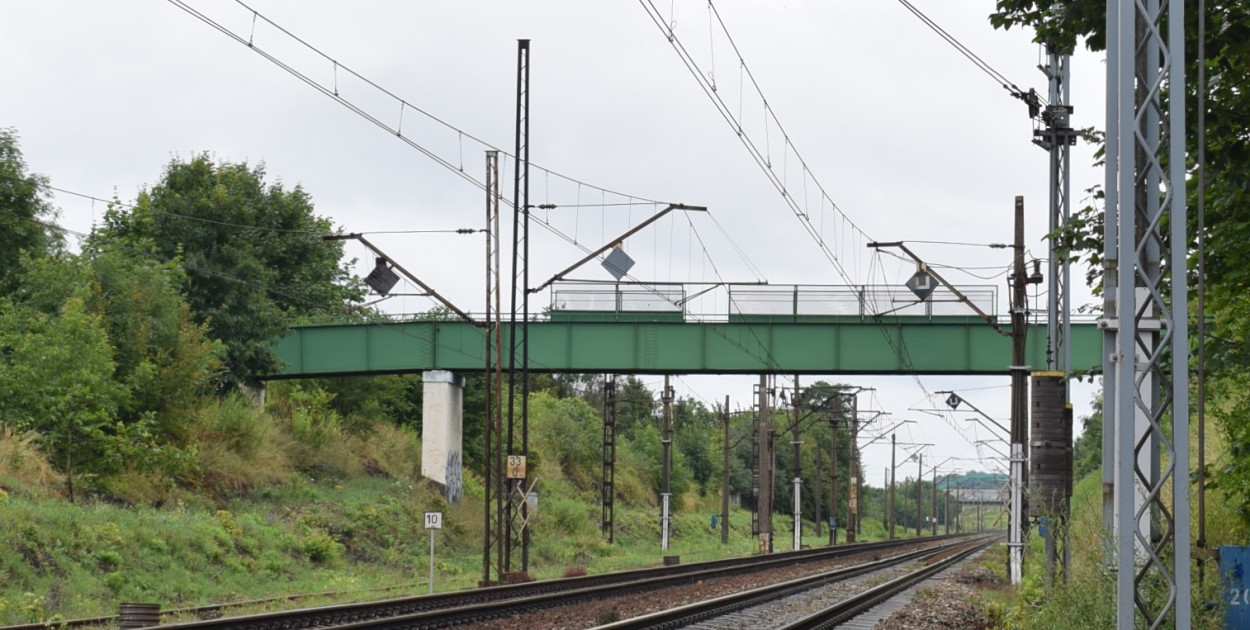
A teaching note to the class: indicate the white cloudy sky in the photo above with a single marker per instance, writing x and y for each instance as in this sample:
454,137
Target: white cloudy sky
909,139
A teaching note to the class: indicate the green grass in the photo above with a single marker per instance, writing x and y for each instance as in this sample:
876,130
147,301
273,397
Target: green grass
1089,592
63,561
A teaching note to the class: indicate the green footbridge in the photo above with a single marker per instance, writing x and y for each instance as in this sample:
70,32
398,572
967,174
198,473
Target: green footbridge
804,330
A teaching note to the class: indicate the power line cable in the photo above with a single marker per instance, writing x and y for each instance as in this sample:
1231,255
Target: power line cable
331,310
980,63
405,104
118,202
761,156
332,92
763,160
241,226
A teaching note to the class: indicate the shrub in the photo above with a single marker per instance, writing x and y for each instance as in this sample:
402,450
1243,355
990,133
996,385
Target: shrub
23,467
238,448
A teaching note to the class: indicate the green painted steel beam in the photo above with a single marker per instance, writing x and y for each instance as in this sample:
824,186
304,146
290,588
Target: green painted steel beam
937,345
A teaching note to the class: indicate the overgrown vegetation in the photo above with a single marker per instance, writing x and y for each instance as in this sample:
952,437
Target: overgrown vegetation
137,462
134,463
1089,592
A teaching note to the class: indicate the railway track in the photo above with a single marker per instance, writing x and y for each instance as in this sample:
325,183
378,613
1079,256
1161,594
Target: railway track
820,601
212,611
445,609
469,606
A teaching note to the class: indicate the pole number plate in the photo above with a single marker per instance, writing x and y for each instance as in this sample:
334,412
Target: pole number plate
516,467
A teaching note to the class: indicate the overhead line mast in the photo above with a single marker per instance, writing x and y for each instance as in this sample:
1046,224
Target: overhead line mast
518,510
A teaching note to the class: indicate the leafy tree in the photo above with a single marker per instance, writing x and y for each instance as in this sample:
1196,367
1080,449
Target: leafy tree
24,207
635,405
56,380
253,253
1087,455
162,359
646,442
1227,175
365,401
697,435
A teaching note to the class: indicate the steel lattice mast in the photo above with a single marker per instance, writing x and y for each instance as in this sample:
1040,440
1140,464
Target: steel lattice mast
1148,362
1057,138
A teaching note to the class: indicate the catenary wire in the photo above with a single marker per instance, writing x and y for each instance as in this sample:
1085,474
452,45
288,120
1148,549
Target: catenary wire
980,63
761,157
332,310
333,93
122,204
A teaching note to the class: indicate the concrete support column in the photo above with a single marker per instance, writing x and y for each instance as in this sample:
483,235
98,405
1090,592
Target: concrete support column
442,434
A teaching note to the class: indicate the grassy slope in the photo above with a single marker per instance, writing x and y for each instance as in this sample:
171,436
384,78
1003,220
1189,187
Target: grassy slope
75,561
62,561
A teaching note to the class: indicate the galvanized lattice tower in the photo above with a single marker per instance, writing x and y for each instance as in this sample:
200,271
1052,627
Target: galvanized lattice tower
1057,138
1147,359
493,466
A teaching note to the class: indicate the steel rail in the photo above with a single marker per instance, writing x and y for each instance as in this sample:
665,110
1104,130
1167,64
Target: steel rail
341,614
682,616
857,605
211,611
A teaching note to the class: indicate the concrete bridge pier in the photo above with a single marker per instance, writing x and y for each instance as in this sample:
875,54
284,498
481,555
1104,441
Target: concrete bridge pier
442,419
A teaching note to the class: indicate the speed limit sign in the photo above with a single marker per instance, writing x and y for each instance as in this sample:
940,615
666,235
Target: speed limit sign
433,520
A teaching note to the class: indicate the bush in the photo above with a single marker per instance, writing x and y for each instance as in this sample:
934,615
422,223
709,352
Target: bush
238,448
24,469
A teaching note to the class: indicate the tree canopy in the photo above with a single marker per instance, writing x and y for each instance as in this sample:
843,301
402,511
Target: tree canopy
24,211
1226,174
253,252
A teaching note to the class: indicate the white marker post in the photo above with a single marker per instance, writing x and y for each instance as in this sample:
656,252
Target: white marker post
433,521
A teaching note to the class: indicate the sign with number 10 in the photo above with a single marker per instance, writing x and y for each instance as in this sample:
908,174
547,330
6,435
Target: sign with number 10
433,520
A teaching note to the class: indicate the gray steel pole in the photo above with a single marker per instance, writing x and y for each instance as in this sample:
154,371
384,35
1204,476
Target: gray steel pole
724,490
933,501
919,492
797,443
764,509
891,474
1179,324
666,440
816,489
853,477
946,510
1019,400
1110,283
885,498
833,480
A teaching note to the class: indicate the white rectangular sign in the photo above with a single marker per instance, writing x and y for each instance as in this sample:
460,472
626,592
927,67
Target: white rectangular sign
433,520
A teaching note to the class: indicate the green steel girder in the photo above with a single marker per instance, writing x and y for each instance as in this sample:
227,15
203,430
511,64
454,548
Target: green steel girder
936,345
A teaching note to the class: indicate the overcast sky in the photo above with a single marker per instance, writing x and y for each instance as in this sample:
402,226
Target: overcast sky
908,138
